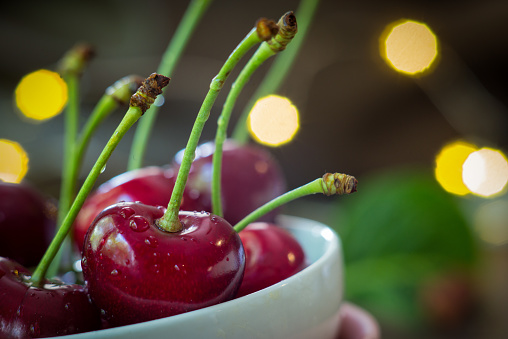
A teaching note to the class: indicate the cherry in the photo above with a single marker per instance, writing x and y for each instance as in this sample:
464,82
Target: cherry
24,210
135,271
28,311
272,254
251,177
150,185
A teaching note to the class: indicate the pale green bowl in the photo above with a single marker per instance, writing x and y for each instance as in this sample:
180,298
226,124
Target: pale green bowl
305,305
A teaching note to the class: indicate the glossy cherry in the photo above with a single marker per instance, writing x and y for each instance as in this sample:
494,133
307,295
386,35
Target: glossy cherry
272,254
150,185
136,271
54,309
24,210
250,177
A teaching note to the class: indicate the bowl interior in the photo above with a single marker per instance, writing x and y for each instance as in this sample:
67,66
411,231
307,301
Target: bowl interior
305,305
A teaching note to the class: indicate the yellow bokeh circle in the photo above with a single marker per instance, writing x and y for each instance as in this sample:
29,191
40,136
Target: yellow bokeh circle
41,95
273,121
409,47
449,162
13,161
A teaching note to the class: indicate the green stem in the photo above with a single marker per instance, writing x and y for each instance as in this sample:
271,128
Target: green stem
132,115
265,51
279,69
329,184
71,67
139,103
170,221
68,186
118,93
169,60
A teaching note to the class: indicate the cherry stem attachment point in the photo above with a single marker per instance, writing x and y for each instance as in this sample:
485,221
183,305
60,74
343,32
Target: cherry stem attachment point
170,221
134,112
285,31
329,184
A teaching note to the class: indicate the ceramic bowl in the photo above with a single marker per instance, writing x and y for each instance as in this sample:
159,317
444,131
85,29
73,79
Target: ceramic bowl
306,305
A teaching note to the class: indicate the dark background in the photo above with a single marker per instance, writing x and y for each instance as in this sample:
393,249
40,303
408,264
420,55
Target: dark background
357,115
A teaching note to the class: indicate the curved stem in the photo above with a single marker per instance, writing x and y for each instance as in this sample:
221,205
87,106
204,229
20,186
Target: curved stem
287,28
132,115
262,54
312,187
118,93
139,102
329,184
169,60
170,221
68,185
279,69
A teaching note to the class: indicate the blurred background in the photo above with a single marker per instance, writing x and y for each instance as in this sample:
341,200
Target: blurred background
425,250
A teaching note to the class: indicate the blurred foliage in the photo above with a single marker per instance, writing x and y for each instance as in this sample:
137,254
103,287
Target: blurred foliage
399,232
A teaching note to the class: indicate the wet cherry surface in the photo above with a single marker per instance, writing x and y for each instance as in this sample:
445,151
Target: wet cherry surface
251,177
54,309
272,254
150,185
24,210
137,272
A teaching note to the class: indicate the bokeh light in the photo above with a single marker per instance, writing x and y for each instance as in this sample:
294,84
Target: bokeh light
448,170
491,222
409,47
13,161
273,121
41,95
485,172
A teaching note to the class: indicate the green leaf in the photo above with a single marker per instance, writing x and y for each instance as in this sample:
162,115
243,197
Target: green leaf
398,231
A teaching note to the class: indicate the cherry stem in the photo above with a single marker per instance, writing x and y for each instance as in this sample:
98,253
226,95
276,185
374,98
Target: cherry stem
71,67
279,69
136,109
329,184
117,94
169,60
265,51
170,221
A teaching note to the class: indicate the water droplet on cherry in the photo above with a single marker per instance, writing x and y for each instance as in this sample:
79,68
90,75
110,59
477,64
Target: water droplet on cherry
126,212
151,241
114,272
138,223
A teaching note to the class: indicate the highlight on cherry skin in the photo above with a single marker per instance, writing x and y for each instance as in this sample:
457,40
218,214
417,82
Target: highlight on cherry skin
149,185
251,177
135,271
55,308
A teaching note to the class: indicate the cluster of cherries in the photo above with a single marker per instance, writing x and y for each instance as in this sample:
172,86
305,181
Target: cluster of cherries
134,268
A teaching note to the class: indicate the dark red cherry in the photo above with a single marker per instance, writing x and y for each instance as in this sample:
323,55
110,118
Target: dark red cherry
25,211
250,178
35,312
149,185
136,272
272,254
